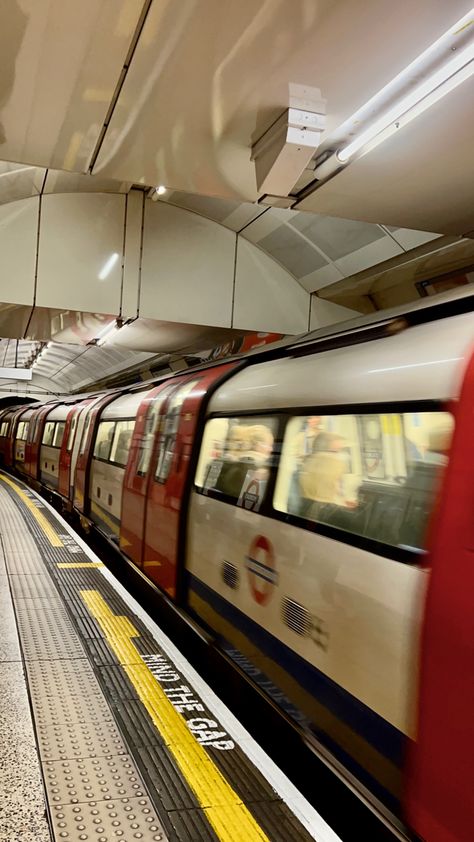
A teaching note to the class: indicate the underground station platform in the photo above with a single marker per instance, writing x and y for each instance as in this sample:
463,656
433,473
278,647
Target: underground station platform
106,731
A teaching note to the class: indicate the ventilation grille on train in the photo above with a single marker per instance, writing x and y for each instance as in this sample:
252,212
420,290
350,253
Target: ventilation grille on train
296,617
230,575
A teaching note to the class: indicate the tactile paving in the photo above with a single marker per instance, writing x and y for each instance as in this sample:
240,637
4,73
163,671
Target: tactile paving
68,710
126,819
92,779
46,635
61,678
34,586
23,562
90,739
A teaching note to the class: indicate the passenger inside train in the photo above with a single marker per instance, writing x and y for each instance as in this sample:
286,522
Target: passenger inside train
239,458
372,475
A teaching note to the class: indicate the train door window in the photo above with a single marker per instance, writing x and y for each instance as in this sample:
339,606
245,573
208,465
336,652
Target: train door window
48,433
121,442
373,475
85,433
103,441
59,434
72,431
22,431
151,425
170,429
32,429
235,459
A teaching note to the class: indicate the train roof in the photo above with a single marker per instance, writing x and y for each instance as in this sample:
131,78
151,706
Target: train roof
424,362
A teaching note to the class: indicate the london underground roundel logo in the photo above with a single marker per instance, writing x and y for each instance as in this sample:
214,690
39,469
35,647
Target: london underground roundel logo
261,571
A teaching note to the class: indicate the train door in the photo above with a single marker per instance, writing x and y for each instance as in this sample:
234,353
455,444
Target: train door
10,448
82,466
66,450
439,798
167,491
30,439
76,443
19,454
4,427
137,476
34,449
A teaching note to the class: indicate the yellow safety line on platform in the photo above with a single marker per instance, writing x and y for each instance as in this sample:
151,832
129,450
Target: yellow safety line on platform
48,530
80,564
225,811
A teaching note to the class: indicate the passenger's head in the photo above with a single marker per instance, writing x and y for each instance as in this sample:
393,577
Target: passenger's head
313,422
260,441
237,441
328,443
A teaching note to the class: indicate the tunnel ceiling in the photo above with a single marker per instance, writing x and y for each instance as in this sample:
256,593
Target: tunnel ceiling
137,93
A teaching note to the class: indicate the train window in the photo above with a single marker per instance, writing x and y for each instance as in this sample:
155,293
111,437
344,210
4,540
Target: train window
103,441
48,433
85,433
32,429
373,475
22,431
59,434
235,458
121,442
4,428
151,424
169,432
72,430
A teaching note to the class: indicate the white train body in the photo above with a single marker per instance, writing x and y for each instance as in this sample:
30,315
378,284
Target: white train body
334,626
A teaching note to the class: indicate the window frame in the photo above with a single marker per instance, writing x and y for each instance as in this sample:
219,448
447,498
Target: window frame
156,404
72,432
112,421
162,469
50,443
117,431
413,557
115,422
264,507
22,425
57,425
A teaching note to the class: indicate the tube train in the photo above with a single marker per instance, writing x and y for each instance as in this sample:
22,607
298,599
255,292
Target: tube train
312,507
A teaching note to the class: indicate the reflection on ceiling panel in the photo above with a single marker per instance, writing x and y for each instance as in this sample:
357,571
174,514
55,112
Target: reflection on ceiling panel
19,182
336,237
292,251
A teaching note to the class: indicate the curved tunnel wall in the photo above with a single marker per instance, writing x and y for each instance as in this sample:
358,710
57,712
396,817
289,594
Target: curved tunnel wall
124,255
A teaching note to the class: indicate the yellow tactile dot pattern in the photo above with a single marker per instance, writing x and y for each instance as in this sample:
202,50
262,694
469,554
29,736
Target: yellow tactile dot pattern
225,811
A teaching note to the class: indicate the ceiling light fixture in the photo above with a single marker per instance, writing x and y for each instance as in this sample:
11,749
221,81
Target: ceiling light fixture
443,66
161,189
108,266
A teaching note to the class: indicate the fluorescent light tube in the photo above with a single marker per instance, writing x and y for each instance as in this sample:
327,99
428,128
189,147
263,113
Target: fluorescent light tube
441,68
